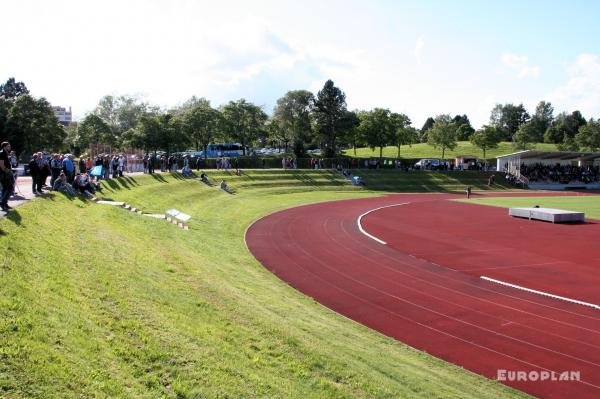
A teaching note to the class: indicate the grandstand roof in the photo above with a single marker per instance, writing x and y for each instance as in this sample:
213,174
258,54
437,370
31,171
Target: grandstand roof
558,155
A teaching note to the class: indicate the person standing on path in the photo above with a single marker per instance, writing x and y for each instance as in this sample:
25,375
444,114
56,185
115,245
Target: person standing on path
468,192
34,172
6,176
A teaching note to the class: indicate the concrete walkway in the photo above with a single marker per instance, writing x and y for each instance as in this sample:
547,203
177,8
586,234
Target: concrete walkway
24,193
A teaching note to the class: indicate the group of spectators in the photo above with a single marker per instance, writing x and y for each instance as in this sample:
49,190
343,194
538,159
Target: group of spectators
289,163
70,176
562,174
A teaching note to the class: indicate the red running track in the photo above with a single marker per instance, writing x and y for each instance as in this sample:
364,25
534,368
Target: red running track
425,301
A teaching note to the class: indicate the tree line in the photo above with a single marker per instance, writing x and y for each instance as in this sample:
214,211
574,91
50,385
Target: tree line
300,121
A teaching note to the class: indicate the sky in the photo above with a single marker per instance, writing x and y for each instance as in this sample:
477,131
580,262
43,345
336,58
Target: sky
421,58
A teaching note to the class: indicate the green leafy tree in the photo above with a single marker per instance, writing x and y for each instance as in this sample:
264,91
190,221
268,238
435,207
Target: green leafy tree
148,133
403,133
353,136
92,130
377,128
31,125
329,112
173,137
540,121
565,126
12,89
201,123
526,136
568,144
5,106
442,134
120,113
242,121
588,137
486,138
426,126
464,130
72,138
291,118
509,118
158,132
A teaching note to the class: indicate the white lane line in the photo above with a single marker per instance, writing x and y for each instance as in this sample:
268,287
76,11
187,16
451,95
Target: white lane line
359,221
562,298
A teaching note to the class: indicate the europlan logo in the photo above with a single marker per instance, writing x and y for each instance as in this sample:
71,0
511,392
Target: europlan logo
534,375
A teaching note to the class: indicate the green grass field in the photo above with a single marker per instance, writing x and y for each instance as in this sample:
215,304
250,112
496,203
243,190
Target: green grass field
98,302
424,150
588,204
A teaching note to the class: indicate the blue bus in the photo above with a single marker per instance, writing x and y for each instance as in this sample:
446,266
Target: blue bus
224,150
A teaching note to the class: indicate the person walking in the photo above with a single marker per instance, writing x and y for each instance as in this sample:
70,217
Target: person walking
6,176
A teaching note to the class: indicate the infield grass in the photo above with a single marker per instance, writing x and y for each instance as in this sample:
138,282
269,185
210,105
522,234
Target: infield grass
98,302
590,204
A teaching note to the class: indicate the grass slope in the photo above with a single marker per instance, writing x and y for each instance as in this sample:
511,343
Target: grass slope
424,150
98,302
588,204
431,181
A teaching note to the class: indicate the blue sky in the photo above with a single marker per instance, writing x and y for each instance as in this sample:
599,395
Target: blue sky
422,58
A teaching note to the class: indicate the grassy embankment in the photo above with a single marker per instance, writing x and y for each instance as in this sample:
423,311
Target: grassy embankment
588,204
99,302
424,150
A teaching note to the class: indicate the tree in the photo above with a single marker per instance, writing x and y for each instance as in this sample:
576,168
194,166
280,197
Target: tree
377,128
486,138
442,134
526,136
148,133
329,112
201,123
31,125
92,130
464,130
353,134
242,121
12,89
540,121
564,126
588,136
291,118
426,126
509,118
403,133
568,144
120,114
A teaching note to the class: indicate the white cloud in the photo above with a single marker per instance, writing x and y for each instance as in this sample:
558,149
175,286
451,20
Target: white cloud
520,63
582,89
419,48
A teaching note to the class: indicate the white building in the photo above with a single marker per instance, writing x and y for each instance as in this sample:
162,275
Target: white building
513,163
64,117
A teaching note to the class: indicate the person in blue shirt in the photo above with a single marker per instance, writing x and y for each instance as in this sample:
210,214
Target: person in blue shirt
55,168
69,168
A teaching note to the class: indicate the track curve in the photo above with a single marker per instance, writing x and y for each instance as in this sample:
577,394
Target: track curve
484,327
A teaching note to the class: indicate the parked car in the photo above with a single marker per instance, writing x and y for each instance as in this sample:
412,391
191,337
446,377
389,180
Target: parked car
428,164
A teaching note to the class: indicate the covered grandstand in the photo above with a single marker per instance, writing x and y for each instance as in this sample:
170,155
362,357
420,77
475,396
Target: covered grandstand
552,170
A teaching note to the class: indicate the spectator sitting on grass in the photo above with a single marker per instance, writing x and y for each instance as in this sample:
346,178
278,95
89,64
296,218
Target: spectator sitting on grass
84,184
62,184
225,188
